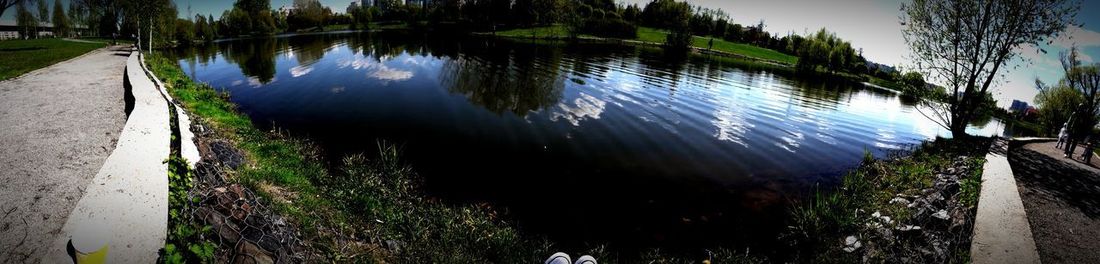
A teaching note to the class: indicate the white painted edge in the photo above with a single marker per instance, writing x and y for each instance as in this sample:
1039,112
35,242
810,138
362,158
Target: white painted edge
188,150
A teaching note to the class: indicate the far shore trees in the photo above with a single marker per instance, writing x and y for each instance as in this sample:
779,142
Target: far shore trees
964,44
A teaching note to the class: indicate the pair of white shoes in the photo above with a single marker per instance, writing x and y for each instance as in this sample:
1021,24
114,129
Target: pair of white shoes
562,258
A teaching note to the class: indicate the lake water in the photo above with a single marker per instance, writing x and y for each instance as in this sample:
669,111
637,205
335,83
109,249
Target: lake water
584,143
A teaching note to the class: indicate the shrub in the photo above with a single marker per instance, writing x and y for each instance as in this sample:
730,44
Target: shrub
610,27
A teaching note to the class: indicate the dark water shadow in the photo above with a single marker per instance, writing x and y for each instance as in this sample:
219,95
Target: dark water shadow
1075,186
127,95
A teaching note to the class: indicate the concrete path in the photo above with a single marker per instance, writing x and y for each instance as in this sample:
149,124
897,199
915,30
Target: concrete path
1001,230
57,127
125,208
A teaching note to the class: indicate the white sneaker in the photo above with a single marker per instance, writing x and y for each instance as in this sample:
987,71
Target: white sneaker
586,259
559,258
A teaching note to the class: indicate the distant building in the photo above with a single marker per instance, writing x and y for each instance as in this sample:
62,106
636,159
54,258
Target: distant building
1018,106
11,31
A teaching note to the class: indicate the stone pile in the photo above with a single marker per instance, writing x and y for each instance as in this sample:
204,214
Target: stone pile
938,223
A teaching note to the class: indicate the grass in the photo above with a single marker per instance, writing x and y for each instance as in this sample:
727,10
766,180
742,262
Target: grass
657,36
336,27
22,56
820,224
552,32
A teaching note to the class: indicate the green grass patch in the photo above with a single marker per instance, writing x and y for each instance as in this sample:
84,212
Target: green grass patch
652,35
22,56
553,32
336,27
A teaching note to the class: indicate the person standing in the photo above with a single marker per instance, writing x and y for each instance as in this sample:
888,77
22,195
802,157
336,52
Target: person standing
1087,156
1062,136
1074,131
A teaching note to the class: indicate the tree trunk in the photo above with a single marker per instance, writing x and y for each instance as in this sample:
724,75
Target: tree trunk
958,127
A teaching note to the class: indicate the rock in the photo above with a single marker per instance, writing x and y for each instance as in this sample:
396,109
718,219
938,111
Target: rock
908,228
851,243
248,253
950,171
394,245
899,200
941,214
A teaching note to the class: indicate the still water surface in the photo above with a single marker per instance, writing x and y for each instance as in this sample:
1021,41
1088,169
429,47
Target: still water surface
581,143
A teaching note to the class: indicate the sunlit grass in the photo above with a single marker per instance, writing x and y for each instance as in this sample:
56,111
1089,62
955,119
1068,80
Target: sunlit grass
657,36
22,56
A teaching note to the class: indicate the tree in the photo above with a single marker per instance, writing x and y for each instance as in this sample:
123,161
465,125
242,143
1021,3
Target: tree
1056,104
965,43
307,14
200,28
43,13
25,21
1086,80
5,4
76,15
60,20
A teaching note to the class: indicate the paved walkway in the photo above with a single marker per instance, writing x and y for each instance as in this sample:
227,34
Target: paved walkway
1062,199
57,126
124,213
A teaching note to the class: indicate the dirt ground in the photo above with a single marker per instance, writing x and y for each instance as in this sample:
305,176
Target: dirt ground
1062,200
57,127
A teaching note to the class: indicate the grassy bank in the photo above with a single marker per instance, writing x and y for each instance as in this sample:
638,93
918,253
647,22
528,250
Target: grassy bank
22,56
878,204
657,37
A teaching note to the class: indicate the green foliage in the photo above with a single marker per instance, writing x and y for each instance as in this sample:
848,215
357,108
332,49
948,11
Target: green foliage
825,49
186,242
307,14
184,31
611,28
1056,105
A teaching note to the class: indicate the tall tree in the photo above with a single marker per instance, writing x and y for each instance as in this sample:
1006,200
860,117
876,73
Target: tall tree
76,15
43,12
965,43
25,20
60,20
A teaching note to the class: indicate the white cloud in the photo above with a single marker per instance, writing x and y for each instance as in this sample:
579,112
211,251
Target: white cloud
1077,35
298,71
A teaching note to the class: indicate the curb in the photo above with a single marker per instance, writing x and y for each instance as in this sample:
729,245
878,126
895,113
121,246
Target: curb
1002,233
123,215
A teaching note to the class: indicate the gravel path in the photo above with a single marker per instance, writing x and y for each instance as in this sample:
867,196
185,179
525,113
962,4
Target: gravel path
57,126
1062,200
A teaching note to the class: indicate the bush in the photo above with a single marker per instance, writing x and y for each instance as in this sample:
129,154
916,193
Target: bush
679,39
611,28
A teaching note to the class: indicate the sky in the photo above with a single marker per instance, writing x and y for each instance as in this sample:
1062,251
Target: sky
869,24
